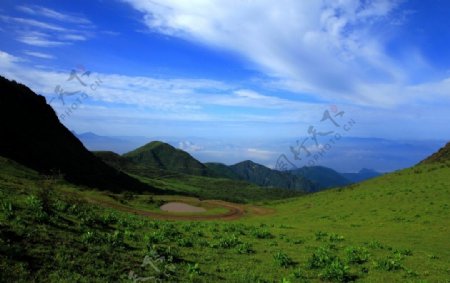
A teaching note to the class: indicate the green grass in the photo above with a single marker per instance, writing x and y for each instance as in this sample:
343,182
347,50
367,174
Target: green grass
390,229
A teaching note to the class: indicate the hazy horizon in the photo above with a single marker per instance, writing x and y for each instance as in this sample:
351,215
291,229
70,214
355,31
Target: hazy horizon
302,74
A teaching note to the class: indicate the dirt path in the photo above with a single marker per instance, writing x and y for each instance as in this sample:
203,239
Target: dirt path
235,211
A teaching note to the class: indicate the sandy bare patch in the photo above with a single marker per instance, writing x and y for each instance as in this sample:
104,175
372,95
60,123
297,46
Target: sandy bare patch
181,207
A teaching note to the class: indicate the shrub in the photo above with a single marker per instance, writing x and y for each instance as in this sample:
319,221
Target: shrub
8,210
185,242
283,259
403,252
389,264
321,258
154,238
261,234
61,206
193,270
46,197
92,237
336,271
375,245
335,237
229,242
245,248
37,212
116,239
357,255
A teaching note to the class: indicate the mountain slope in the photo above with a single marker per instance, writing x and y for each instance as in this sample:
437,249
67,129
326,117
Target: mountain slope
32,135
323,177
443,155
263,176
222,170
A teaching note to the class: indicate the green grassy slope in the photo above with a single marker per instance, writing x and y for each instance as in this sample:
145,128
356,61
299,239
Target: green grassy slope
406,210
393,228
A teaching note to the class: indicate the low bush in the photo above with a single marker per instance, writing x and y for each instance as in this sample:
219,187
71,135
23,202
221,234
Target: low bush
283,259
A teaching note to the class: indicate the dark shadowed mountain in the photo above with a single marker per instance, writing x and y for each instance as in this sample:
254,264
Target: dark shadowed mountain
166,157
262,176
362,175
322,177
443,155
222,170
31,134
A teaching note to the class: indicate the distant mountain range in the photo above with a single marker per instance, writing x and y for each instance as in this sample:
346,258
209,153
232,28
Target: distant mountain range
32,135
260,175
322,177
162,157
382,154
159,158
362,175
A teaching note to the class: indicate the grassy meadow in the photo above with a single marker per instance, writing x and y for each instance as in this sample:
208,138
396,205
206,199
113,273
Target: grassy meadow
394,228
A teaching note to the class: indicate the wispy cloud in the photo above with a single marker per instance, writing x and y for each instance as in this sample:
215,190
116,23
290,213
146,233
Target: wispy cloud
52,14
138,103
39,39
43,27
330,49
33,23
39,54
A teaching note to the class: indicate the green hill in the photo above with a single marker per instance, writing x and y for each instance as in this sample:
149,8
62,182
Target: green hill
266,177
204,187
161,155
393,228
322,177
222,170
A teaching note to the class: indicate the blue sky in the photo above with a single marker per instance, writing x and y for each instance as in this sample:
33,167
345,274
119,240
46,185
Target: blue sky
235,70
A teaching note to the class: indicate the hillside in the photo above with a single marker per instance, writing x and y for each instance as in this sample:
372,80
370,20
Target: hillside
31,134
203,187
222,170
443,155
322,177
263,176
164,156
393,228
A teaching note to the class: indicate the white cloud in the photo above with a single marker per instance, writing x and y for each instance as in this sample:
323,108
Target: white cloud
7,60
33,23
39,39
52,14
39,27
39,54
129,103
325,48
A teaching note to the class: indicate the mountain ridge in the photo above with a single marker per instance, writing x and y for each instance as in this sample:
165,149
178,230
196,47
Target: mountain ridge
34,137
